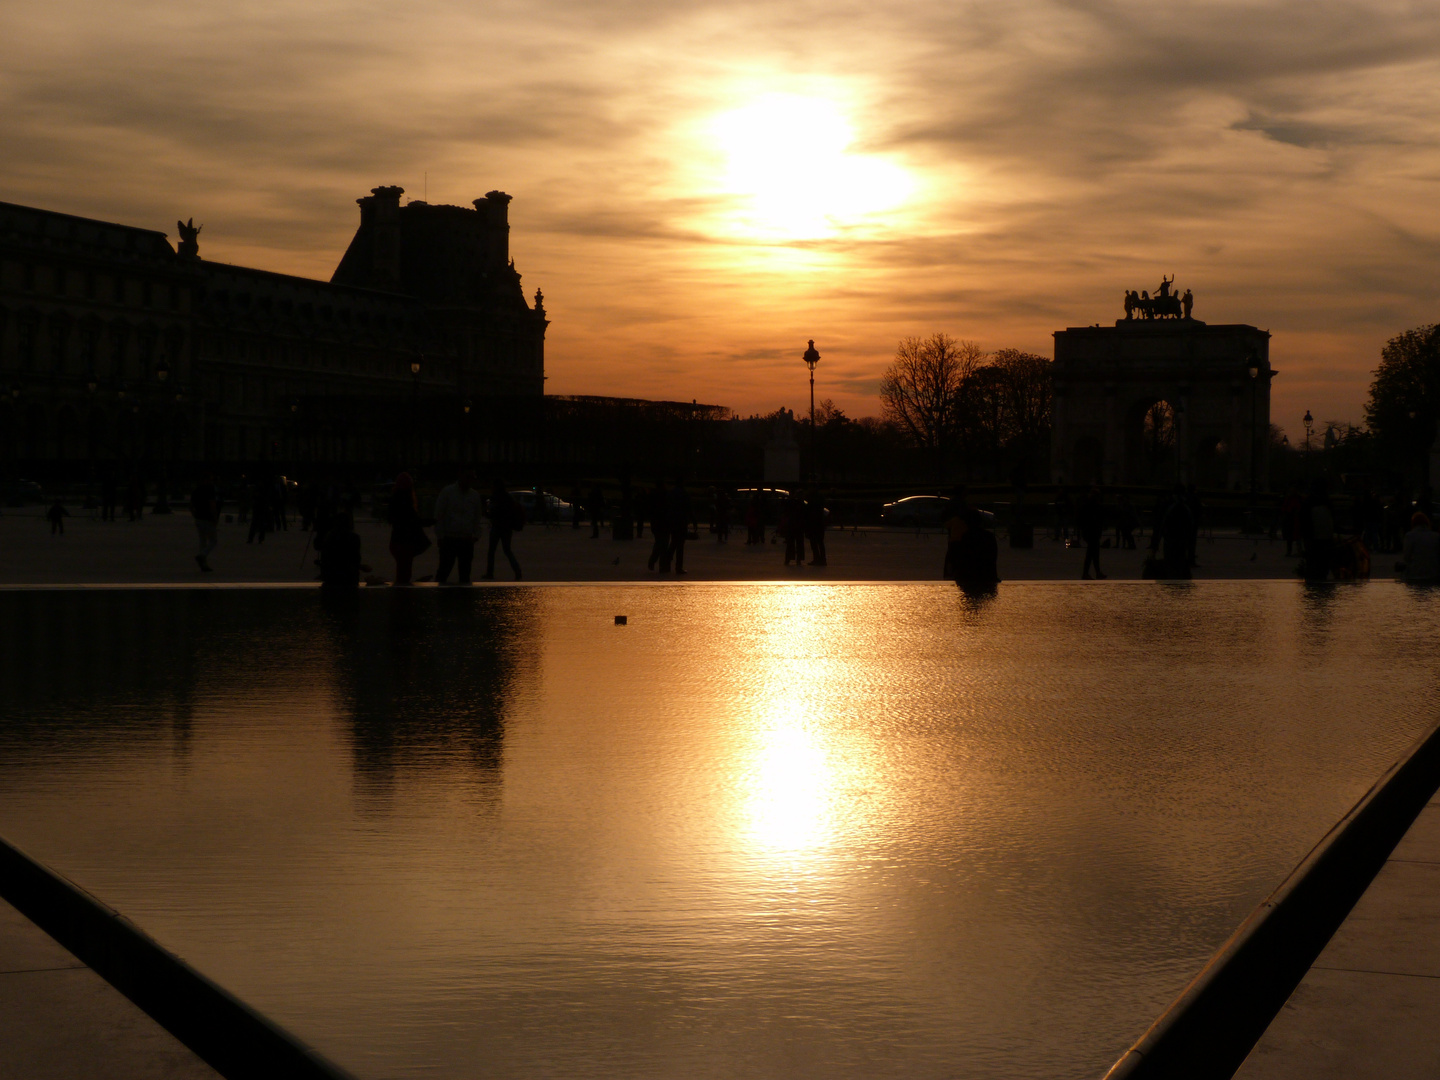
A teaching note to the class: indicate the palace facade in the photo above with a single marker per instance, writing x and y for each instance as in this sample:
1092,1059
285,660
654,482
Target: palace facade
118,351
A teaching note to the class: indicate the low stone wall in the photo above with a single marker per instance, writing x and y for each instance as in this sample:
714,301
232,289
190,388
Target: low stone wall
231,1037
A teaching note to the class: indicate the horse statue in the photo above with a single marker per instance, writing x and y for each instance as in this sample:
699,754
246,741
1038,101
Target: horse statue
1163,305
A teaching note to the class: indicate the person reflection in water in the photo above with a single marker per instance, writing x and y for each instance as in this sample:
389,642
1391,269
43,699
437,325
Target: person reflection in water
972,555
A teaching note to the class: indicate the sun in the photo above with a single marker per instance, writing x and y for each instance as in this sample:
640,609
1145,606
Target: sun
790,168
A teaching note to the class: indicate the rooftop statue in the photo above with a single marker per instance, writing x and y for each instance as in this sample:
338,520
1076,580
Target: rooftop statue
1165,304
189,238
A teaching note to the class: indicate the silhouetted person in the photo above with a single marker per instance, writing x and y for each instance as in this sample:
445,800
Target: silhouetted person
260,494
1172,537
659,508
407,534
108,497
722,516
1369,518
339,556
972,555
505,517
459,518
1091,523
134,498
279,498
815,528
597,511
1197,514
955,529
1317,522
755,520
792,528
1126,521
1421,551
1062,513
680,517
205,509
1290,508
575,498
56,515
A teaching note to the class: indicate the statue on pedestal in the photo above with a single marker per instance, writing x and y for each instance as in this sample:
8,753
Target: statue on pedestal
189,238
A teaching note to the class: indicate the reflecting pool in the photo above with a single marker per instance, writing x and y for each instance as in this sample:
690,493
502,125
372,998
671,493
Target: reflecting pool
760,831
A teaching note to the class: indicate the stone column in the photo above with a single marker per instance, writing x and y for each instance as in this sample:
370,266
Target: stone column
1184,453
1237,460
1059,437
1114,451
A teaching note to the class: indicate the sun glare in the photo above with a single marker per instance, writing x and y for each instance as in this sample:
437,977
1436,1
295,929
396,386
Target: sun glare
788,161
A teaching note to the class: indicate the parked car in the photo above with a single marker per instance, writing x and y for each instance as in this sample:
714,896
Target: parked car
923,512
20,492
554,508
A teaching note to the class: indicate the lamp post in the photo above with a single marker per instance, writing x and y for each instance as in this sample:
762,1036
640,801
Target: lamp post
812,358
1254,372
1309,422
162,499
415,410
91,385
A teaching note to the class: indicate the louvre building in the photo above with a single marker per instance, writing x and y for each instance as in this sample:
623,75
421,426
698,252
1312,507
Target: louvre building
118,351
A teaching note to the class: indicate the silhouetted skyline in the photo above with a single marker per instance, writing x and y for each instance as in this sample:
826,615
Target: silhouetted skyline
705,187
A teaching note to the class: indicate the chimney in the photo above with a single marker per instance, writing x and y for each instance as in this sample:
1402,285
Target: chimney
495,216
380,212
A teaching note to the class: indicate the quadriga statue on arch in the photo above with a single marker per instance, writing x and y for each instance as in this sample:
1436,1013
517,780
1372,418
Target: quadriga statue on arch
1165,304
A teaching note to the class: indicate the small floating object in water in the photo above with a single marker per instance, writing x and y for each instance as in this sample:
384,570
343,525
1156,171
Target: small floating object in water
621,620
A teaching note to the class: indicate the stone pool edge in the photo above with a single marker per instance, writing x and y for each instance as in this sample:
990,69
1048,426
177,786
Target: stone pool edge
1212,1026
230,1036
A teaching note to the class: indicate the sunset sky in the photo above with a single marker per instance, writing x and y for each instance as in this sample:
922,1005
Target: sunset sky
700,187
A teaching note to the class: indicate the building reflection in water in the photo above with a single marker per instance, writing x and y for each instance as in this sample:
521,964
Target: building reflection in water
424,682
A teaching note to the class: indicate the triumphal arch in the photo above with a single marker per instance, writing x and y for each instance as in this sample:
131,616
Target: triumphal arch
1161,397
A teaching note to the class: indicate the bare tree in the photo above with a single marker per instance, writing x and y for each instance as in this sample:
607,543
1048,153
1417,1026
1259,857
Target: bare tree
921,392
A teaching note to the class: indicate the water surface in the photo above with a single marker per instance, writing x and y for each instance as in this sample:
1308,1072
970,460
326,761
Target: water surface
760,831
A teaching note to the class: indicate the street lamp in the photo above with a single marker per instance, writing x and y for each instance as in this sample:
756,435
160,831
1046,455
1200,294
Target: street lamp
812,358
1309,422
415,409
162,500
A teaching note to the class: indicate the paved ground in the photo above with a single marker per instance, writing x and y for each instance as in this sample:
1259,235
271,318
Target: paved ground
1370,1006
161,549
59,1019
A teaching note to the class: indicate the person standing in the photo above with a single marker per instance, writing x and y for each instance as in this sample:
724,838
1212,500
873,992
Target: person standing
722,516
680,520
205,509
407,535
339,548
792,528
1290,520
1091,521
659,507
1125,523
597,510
56,515
575,506
505,517
107,495
459,513
1172,530
1318,524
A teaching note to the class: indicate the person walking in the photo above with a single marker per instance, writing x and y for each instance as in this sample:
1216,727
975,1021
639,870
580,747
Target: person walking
680,520
1317,521
459,517
407,534
815,527
1091,522
259,511
205,509
659,506
1290,520
1421,550
505,517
